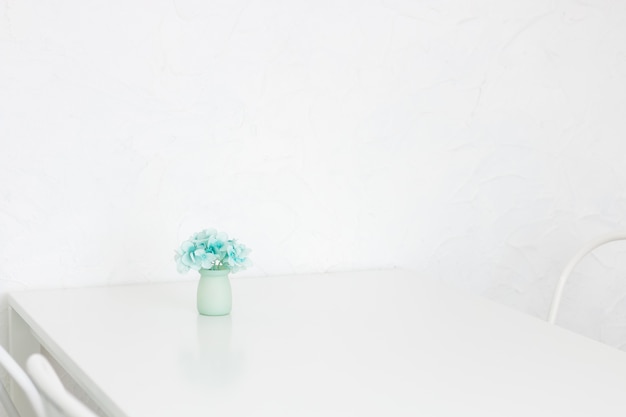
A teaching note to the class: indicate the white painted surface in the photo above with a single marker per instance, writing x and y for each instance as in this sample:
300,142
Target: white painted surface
479,142
364,344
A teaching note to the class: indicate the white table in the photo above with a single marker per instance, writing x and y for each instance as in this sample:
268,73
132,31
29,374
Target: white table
378,343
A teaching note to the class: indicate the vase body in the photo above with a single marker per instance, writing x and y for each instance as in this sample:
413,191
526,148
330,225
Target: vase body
214,296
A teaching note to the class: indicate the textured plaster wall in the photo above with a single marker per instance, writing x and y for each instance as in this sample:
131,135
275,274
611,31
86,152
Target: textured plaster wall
477,142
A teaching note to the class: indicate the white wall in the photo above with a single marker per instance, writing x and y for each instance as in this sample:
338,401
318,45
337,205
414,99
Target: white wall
480,143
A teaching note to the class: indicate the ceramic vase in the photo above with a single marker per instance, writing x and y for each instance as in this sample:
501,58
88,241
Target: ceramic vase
214,296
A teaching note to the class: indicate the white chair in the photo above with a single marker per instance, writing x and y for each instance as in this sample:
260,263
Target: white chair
22,380
556,300
59,401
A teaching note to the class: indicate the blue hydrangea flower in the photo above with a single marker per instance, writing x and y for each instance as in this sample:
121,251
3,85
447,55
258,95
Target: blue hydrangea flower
210,249
237,258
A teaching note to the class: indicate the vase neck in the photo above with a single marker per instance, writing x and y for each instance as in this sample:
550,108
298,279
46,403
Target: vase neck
208,273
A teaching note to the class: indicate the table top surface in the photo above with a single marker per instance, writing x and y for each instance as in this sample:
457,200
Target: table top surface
367,343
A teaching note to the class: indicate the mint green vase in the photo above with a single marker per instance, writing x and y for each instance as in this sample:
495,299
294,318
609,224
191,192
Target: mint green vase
214,293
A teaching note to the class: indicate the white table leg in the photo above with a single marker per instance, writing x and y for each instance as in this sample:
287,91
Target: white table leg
22,344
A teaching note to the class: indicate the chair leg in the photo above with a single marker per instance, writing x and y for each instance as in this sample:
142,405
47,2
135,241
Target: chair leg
22,344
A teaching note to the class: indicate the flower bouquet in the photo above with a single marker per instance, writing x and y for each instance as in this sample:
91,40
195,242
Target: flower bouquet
214,255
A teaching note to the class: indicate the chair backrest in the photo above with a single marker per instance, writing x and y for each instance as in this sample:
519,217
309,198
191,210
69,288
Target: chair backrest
556,300
59,400
21,379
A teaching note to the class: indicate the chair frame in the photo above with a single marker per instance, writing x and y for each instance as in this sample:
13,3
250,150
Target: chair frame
22,380
556,300
52,390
